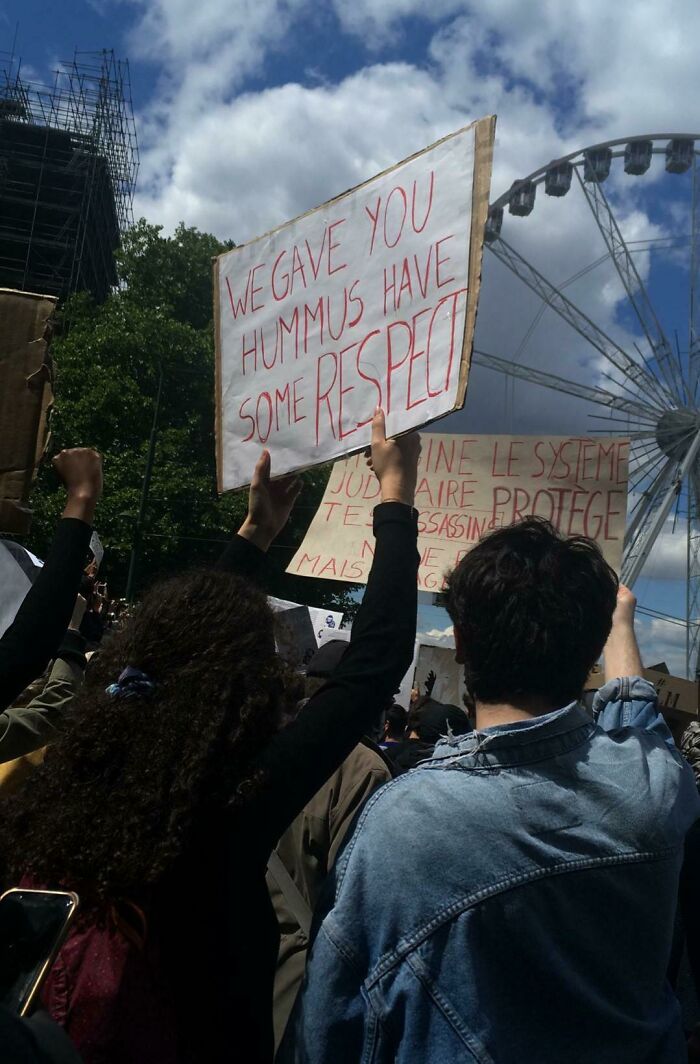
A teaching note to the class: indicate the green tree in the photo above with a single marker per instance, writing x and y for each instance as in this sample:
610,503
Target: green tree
108,360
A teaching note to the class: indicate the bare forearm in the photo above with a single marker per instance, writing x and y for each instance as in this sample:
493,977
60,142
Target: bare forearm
622,657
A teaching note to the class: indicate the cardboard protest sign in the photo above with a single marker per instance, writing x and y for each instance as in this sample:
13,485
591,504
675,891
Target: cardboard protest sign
468,485
369,300
25,398
449,676
678,698
299,630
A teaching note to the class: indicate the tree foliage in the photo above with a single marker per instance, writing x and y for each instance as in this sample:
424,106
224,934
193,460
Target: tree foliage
108,361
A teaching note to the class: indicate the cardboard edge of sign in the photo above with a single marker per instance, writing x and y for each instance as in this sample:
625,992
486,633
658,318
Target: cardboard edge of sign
15,513
219,436
484,136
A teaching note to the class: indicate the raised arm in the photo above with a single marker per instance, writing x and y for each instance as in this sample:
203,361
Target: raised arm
41,622
301,757
627,700
622,657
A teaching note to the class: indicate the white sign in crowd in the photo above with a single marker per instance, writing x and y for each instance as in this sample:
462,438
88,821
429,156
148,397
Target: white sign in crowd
369,300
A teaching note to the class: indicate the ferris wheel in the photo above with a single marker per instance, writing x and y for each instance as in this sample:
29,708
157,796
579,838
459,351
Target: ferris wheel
650,380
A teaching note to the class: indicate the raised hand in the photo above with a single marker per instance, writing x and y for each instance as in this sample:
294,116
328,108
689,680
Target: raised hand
270,503
394,461
626,605
80,469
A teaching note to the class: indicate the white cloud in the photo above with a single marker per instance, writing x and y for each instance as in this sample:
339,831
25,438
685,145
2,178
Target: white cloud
661,641
239,162
438,636
249,165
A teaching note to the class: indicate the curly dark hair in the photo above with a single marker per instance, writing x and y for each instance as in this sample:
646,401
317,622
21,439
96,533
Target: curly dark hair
534,610
116,798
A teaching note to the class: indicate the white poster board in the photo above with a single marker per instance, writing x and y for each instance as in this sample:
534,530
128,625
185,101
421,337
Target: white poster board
466,486
449,676
369,300
322,620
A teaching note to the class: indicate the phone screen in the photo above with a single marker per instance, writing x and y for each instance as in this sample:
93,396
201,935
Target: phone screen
33,924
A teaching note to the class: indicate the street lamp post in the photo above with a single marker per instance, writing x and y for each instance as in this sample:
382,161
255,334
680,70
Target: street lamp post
145,487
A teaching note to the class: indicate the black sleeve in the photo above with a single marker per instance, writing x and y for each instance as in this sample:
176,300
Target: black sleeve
243,557
301,757
36,632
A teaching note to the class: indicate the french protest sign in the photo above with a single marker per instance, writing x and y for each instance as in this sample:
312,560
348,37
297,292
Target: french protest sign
468,485
369,300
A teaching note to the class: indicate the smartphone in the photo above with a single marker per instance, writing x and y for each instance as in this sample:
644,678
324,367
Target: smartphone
33,927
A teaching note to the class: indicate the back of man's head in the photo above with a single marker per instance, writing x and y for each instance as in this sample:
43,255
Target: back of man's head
533,610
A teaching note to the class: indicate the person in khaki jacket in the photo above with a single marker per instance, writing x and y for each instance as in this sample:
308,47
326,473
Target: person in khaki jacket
308,849
27,727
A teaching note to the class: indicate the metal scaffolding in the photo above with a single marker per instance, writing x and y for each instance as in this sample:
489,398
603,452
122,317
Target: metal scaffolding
68,166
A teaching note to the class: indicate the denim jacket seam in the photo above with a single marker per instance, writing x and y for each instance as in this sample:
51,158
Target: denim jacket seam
410,942
344,859
443,1003
453,762
343,949
524,738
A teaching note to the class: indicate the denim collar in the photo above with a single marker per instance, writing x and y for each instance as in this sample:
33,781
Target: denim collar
518,742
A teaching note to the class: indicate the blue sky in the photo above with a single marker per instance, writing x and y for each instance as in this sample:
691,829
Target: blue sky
252,111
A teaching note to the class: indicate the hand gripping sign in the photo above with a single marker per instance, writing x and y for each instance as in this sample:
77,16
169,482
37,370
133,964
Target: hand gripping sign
369,300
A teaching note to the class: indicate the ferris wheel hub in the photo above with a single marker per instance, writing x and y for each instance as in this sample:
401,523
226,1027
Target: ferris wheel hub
675,431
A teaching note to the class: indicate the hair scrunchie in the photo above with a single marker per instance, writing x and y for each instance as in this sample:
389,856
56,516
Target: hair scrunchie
131,682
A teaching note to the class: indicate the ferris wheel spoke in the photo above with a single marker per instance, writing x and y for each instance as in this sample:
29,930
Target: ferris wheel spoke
651,469
633,284
693,582
636,374
641,419
650,405
560,384
663,501
638,541
694,308
641,451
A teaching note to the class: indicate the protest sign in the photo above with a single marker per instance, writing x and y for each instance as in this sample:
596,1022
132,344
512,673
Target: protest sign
466,486
369,300
449,676
678,698
98,551
26,376
299,628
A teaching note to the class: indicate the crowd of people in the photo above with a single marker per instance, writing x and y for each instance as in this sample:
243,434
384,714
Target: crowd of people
272,866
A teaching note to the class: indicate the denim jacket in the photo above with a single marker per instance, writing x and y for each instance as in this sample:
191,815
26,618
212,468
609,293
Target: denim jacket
511,900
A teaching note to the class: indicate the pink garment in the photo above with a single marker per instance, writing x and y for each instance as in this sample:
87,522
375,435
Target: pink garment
105,991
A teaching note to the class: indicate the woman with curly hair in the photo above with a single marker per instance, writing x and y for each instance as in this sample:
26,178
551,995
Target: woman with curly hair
163,798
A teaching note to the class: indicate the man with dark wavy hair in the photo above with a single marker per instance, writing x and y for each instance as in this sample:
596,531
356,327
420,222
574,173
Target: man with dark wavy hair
531,916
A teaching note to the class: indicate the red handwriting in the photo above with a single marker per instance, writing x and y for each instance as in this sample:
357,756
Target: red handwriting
572,510
388,215
384,359
264,415
293,268
410,278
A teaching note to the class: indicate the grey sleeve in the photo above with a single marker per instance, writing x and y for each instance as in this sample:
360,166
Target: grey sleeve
25,729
